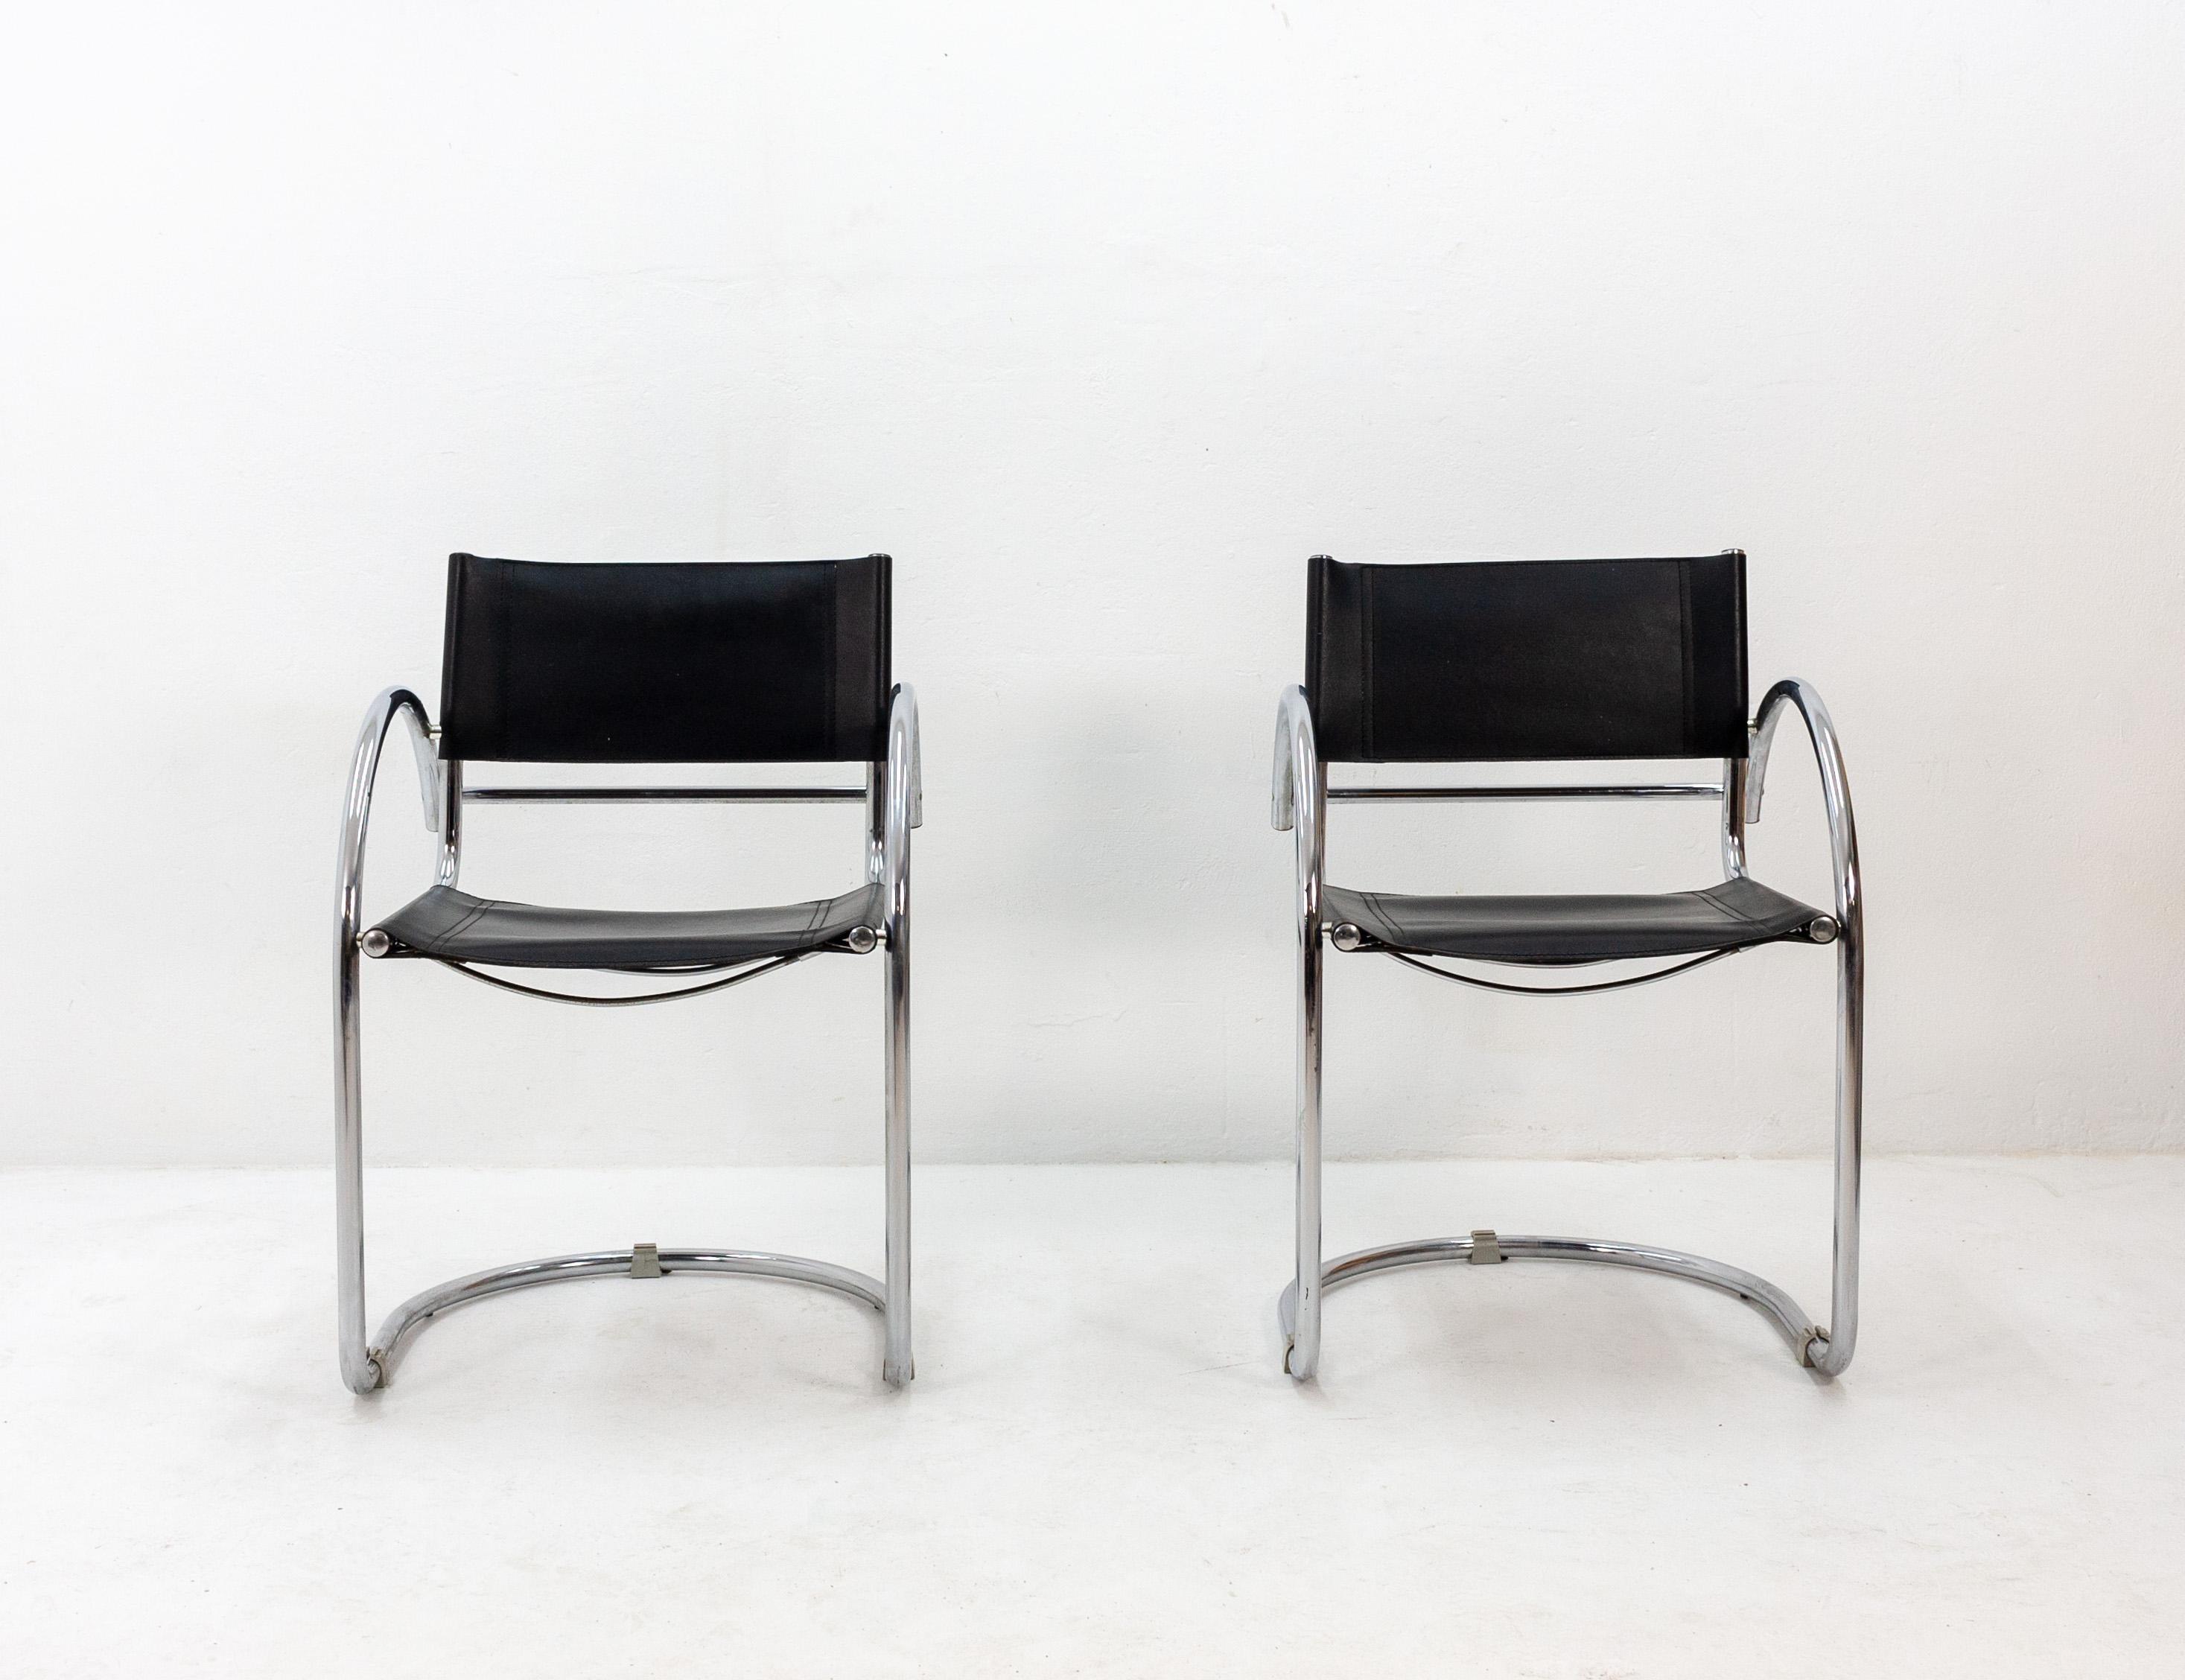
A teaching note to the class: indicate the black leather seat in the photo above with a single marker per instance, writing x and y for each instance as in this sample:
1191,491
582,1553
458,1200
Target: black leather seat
1593,928
454,927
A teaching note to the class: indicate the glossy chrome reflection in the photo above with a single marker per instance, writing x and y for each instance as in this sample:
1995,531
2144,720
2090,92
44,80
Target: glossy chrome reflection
1785,1314
613,1262
901,809
893,796
1732,818
1300,802
359,1369
1300,791
447,868
1834,1346
1518,792
827,795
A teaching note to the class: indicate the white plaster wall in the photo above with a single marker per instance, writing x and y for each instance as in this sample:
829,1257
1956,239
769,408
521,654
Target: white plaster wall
1100,320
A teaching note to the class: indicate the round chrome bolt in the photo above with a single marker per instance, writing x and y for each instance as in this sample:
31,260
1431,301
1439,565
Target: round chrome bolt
376,943
861,939
1346,936
1822,930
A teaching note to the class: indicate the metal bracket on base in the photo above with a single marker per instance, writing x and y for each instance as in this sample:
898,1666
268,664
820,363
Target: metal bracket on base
645,1260
1485,1250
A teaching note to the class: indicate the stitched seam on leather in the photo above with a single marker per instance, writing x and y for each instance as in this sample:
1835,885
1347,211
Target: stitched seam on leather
1751,924
1685,629
455,931
1366,707
834,647
1388,933
498,616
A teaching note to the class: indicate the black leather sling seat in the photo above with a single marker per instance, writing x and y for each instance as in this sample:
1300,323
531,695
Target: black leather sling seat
1581,929
455,927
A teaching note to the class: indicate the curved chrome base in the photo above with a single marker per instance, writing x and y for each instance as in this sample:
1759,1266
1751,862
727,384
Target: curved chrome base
1808,1343
610,1263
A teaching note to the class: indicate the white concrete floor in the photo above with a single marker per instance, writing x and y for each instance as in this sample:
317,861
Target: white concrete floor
1535,1470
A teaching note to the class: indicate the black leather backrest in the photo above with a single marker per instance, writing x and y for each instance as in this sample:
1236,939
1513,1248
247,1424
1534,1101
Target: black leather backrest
1527,660
697,662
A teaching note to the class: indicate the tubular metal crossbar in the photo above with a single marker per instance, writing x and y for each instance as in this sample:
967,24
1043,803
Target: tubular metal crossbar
836,796
1301,795
1601,791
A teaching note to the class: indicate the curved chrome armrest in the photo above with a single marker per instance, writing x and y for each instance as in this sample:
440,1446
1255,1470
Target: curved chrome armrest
1298,792
1835,784
905,809
1297,756
364,771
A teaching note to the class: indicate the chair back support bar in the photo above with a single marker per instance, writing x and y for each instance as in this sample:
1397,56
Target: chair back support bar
1568,659
653,663
1512,794
667,796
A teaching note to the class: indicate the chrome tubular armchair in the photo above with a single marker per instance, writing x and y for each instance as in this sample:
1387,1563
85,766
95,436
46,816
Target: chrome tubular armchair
1560,660
770,662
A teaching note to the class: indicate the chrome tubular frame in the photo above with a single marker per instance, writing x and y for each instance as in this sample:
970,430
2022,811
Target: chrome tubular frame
901,806
361,1369
1300,802
1782,1311
1515,793
613,1262
1733,817
665,796
893,805
1300,793
1830,1349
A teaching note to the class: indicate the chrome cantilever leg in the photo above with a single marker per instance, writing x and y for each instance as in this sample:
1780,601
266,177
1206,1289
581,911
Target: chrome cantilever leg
1831,1350
367,1365
896,1366
610,1263
1785,1313
897,801
1300,802
1827,1352
1301,1325
1299,799
360,1370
